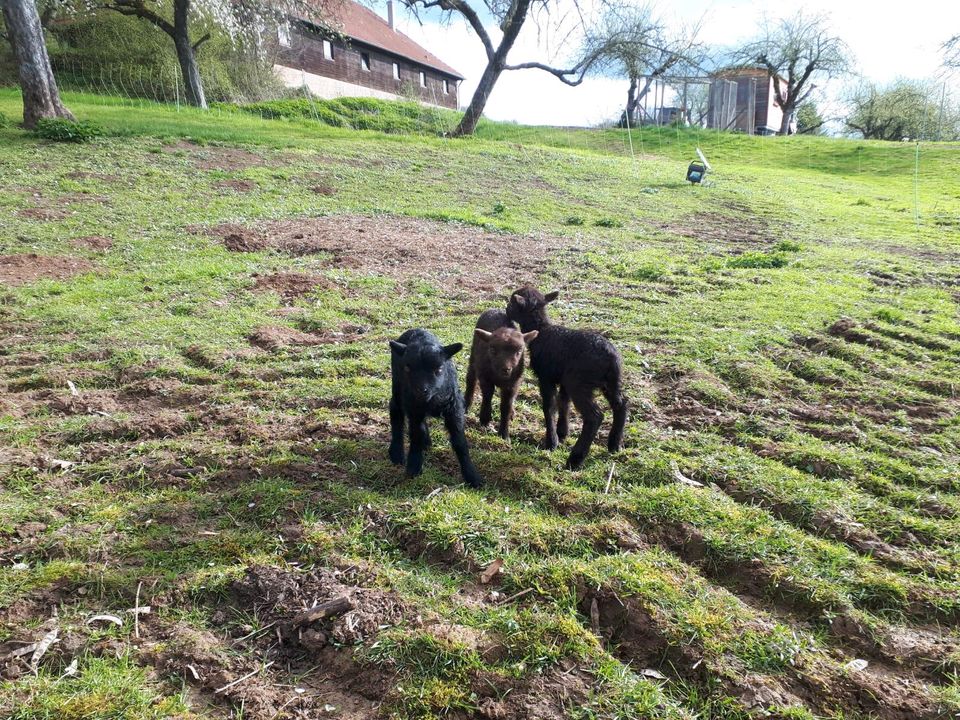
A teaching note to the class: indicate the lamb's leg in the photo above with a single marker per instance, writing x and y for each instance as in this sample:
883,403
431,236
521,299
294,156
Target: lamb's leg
454,421
508,395
486,401
563,414
547,393
471,384
418,442
592,417
396,430
620,406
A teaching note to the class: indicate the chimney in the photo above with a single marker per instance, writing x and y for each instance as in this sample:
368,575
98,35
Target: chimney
390,14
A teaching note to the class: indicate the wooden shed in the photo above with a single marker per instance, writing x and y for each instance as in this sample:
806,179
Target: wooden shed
743,99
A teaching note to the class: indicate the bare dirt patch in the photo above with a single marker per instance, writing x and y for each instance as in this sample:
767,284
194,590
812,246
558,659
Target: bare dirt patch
217,158
99,243
43,213
289,285
748,229
21,269
323,189
277,337
449,254
236,185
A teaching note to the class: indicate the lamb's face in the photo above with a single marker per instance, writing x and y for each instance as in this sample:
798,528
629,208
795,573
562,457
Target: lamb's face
528,307
505,348
426,369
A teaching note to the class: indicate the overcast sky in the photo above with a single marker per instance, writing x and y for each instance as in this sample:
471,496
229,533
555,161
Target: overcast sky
887,39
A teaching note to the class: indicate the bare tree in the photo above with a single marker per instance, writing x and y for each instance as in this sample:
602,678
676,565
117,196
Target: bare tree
797,52
632,42
951,52
904,108
237,17
510,17
41,97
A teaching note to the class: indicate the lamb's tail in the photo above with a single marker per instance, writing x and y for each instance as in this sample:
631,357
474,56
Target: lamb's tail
471,384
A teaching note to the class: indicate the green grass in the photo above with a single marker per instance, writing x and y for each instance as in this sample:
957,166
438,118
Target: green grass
789,334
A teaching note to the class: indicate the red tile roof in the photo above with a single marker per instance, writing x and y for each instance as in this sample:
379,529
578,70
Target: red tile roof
365,26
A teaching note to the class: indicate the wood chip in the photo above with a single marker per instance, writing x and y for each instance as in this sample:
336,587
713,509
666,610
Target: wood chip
493,569
49,639
653,674
337,606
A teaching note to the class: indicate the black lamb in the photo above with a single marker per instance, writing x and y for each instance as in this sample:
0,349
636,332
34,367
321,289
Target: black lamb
580,362
425,385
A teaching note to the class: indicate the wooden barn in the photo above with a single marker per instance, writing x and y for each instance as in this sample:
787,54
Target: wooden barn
743,99
373,59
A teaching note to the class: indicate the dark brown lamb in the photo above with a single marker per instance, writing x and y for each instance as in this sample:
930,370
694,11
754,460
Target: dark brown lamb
496,361
579,362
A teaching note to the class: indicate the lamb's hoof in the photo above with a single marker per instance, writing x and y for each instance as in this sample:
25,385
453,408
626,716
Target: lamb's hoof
574,462
474,481
396,456
549,444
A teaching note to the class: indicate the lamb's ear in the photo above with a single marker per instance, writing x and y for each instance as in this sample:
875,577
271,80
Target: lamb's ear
482,334
532,335
520,300
551,296
398,348
451,350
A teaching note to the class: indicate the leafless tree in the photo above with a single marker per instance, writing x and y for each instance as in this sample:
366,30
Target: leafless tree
511,15
797,52
633,43
951,52
41,97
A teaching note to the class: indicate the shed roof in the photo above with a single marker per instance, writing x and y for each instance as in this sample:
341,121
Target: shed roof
363,25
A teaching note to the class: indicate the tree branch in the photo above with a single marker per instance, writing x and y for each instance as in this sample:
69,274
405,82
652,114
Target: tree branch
468,13
136,8
201,41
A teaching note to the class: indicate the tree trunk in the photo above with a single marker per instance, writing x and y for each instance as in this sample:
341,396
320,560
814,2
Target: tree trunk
186,55
41,98
630,112
785,121
468,123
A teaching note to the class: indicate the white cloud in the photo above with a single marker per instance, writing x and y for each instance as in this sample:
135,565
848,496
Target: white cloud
888,40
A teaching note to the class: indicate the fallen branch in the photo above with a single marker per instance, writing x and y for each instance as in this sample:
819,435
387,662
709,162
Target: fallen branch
337,606
515,596
241,679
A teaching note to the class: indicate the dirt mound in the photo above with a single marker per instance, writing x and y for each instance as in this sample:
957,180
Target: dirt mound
22,269
93,242
452,255
323,189
289,285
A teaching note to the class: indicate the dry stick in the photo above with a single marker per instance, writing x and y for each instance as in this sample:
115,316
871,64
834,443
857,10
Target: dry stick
606,490
136,612
240,680
337,606
517,595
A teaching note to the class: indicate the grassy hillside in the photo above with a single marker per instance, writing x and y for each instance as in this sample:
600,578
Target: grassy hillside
194,373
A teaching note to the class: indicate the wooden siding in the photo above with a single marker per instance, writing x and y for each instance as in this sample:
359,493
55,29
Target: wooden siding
306,53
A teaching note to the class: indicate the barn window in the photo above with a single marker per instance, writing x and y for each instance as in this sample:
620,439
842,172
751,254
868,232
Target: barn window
365,61
396,71
327,50
283,35
446,87
423,79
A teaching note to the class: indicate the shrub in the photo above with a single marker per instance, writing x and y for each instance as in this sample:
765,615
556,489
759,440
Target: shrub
759,260
788,246
573,220
608,223
63,130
